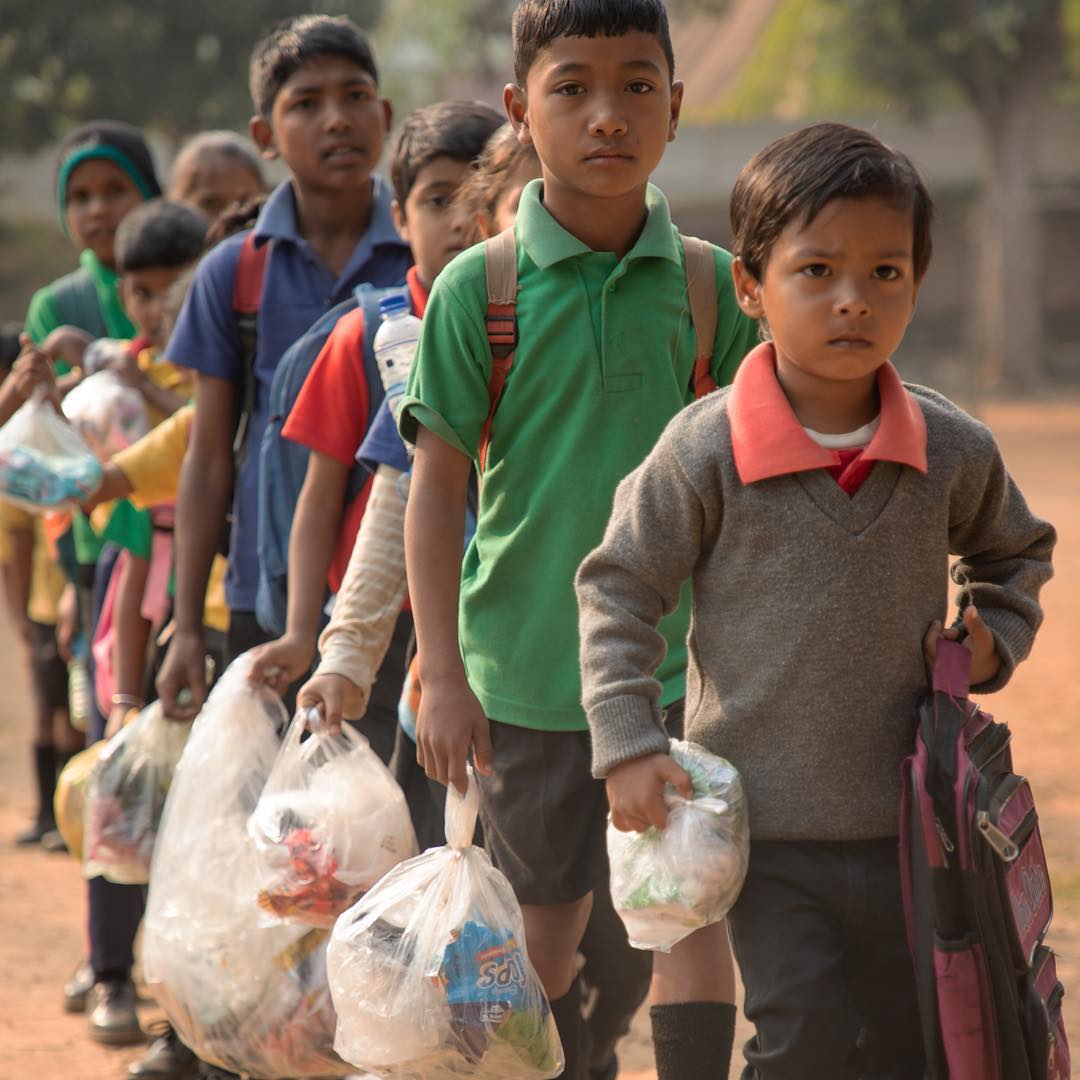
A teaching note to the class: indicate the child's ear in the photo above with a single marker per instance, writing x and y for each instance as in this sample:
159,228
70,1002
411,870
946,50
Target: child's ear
517,109
388,115
747,290
262,135
397,212
676,108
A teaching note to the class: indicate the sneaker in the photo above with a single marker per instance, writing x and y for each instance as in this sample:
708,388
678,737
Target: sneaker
33,834
111,1008
53,842
77,988
167,1059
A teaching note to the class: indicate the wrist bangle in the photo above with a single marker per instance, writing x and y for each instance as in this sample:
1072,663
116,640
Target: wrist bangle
129,701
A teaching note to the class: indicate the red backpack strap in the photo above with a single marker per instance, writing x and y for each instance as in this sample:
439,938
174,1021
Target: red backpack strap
500,260
701,294
246,298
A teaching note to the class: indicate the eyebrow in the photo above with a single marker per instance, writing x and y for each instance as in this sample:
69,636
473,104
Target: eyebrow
318,88
573,67
819,253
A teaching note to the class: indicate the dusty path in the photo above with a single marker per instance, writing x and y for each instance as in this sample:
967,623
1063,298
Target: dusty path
41,906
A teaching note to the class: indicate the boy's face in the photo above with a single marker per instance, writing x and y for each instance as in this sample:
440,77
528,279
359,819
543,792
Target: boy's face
599,112
143,293
328,124
431,221
215,183
99,196
837,292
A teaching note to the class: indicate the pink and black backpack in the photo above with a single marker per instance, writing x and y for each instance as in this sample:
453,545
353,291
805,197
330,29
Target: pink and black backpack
977,895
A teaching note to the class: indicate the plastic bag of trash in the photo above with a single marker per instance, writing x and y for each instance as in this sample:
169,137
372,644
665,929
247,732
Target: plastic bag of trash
667,884
246,996
109,414
330,822
429,973
126,795
44,464
69,801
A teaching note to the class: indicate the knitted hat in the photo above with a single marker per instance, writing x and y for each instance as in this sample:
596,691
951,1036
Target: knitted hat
114,141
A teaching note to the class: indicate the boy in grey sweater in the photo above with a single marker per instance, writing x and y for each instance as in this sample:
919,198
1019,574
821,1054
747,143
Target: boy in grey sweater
814,506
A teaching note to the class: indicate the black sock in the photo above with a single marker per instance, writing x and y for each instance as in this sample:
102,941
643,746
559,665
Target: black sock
692,1040
45,772
567,1013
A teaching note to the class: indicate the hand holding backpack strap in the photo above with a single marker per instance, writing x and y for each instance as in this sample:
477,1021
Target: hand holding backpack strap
500,260
701,293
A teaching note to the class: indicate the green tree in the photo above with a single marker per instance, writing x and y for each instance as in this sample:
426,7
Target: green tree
1004,56
176,67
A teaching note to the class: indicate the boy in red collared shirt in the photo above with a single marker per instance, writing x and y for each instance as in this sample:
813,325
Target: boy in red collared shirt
431,157
815,506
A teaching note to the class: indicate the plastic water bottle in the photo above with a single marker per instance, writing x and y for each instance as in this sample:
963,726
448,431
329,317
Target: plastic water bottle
395,346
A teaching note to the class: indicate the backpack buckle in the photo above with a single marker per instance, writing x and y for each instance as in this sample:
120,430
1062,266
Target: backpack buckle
502,334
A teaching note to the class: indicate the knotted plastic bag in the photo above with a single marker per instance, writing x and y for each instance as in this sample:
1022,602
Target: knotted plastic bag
109,414
69,800
246,996
429,973
667,884
44,464
330,822
126,795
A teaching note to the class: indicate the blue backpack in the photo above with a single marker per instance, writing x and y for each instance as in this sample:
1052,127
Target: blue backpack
283,463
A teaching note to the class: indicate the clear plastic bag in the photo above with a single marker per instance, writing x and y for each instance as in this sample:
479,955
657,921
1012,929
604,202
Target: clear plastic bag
102,353
44,464
429,974
126,795
665,885
246,996
329,823
107,413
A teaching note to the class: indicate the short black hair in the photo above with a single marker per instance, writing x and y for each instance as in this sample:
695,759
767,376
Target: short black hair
297,41
537,23
159,234
794,178
455,129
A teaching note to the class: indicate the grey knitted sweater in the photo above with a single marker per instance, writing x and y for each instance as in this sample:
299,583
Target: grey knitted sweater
809,610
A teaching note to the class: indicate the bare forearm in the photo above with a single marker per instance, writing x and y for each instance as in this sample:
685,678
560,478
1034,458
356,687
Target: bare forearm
311,548
201,509
371,595
434,538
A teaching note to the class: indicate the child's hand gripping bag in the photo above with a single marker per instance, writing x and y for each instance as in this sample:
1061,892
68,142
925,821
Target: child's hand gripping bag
108,413
126,795
246,996
44,464
330,822
69,800
429,974
667,884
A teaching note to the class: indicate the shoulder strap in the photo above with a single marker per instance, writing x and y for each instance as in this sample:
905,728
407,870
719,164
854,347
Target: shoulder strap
701,293
247,296
500,261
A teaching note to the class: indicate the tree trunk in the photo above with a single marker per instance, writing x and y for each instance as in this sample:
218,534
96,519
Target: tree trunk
1009,316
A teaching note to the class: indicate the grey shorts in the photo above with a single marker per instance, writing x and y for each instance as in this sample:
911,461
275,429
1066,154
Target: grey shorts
544,815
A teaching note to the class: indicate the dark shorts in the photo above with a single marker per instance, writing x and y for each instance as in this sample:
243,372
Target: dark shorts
544,815
50,671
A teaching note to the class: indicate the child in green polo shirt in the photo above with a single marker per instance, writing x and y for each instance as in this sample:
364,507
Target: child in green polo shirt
604,359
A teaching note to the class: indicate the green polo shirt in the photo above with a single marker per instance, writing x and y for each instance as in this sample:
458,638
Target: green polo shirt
604,361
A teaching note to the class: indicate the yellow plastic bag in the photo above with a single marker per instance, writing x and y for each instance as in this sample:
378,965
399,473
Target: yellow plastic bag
70,799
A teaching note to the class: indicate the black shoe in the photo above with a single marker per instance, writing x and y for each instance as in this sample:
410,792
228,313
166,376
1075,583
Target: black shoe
53,843
77,988
167,1059
112,1019
213,1072
33,834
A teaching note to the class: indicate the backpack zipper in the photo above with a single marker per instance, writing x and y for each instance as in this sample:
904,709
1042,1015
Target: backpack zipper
1003,845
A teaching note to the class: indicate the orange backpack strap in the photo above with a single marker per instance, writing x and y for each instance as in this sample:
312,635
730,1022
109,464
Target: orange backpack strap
500,260
701,293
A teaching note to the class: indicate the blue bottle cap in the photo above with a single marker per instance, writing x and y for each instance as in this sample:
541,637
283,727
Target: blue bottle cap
394,304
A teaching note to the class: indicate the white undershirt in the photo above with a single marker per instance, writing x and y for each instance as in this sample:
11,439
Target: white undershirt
846,440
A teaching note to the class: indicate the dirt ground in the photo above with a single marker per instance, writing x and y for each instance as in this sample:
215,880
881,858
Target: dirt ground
41,896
